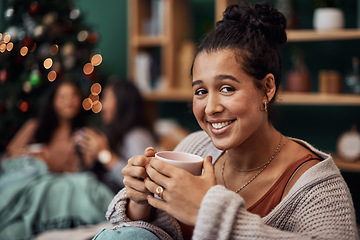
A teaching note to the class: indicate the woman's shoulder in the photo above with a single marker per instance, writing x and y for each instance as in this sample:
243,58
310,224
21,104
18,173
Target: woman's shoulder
30,124
198,143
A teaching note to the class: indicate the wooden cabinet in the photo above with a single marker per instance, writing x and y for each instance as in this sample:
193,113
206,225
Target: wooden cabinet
157,31
166,46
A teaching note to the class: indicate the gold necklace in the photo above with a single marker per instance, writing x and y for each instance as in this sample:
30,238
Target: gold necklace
278,149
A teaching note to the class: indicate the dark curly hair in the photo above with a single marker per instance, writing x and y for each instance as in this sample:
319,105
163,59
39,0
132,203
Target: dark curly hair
130,111
255,32
48,120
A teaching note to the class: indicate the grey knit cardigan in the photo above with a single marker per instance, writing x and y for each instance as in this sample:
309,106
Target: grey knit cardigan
318,206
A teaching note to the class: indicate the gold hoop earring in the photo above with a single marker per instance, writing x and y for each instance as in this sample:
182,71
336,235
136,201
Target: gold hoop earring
265,108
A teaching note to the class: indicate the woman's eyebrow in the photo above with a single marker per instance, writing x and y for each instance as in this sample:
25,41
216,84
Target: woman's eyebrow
196,82
225,76
217,78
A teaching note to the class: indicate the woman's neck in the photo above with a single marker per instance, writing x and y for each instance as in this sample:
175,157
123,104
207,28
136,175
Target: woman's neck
256,150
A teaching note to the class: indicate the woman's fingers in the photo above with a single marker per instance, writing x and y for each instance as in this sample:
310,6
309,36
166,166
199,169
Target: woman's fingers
208,166
150,152
136,184
160,172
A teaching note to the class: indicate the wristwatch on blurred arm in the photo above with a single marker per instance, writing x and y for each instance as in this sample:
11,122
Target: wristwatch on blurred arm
104,156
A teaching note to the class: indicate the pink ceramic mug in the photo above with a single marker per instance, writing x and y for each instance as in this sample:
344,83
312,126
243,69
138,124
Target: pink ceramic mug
187,161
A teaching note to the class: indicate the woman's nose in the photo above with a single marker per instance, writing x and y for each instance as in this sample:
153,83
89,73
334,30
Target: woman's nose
213,105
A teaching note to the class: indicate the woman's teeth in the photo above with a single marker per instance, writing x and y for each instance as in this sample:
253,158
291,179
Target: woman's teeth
220,125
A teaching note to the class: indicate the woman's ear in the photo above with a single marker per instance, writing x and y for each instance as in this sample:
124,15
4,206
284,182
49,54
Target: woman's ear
269,86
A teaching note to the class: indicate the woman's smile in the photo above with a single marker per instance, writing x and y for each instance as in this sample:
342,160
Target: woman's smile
226,101
220,127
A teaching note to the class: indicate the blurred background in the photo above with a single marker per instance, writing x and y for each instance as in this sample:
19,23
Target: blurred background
152,42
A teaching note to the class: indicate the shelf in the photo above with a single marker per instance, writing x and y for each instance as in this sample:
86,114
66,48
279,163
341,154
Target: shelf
148,41
287,98
284,98
313,35
346,165
173,95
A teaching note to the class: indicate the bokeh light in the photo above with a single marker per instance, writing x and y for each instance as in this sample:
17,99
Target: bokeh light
2,47
9,46
48,63
24,106
88,68
96,60
52,76
87,104
7,38
94,97
23,51
97,107
95,89
54,50
82,35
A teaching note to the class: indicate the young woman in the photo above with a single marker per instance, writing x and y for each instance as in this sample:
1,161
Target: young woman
257,183
127,133
51,136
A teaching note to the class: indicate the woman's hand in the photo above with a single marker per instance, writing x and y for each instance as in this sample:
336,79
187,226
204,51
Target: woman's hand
183,192
91,141
134,174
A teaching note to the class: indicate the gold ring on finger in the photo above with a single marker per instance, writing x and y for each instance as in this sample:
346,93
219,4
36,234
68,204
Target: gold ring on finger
160,191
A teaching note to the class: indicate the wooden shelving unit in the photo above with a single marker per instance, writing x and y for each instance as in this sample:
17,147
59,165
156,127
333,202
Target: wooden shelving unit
174,33
290,98
170,41
346,165
173,25
306,35
284,98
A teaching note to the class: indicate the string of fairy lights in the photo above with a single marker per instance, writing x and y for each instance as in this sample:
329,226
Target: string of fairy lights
92,102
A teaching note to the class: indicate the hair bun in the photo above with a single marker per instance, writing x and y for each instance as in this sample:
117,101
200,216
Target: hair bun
257,17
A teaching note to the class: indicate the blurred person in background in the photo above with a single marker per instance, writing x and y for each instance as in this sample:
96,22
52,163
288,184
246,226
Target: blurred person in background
50,137
127,132
43,185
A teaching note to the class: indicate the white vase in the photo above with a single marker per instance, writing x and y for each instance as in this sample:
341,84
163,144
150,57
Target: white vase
328,19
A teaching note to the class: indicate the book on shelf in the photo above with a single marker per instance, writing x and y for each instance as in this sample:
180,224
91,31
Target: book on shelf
146,72
155,24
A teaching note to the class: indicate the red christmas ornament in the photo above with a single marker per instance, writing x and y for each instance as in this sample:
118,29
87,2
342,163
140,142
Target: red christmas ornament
3,76
24,106
93,37
34,8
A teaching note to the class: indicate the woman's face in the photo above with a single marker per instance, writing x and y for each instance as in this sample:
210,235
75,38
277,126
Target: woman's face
109,105
226,102
67,101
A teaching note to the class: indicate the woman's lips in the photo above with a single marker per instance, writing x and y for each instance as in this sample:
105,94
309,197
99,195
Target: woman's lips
220,127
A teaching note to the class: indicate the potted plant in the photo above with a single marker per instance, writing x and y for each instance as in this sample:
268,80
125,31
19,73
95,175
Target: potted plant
328,15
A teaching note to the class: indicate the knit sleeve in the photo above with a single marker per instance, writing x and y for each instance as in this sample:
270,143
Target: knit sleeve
163,225
223,216
321,211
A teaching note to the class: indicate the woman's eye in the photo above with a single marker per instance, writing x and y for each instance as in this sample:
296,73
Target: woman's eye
200,92
227,89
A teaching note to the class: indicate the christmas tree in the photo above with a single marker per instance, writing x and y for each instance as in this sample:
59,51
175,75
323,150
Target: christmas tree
42,40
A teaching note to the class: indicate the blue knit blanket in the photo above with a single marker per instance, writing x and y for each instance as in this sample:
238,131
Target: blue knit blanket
33,200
